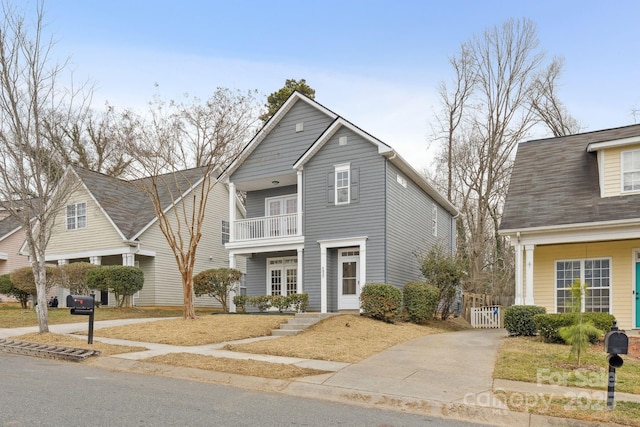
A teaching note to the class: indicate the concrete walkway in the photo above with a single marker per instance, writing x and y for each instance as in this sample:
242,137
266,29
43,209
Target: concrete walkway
443,375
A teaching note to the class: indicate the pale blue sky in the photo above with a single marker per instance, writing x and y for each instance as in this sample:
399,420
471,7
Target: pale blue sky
376,63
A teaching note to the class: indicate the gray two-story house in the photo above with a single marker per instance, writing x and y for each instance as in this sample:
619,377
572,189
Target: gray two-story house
329,208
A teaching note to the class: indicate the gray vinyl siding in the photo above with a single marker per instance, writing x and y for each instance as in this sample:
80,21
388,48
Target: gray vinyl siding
255,203
277,153
410,228
256,279
359,219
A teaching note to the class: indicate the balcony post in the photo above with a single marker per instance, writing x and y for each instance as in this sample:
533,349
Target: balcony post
299,205
232,212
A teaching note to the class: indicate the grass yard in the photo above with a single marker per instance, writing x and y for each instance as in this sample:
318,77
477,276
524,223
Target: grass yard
12,316
529,359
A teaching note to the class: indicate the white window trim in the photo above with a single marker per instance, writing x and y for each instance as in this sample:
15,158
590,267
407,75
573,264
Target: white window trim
623,171
284,201
283,284
345,167
582,260
86,217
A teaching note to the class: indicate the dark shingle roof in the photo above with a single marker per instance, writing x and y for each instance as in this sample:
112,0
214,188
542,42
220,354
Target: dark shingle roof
555,182
127,205
7,225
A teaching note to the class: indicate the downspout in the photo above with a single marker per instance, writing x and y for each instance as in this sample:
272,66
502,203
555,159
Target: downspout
386,224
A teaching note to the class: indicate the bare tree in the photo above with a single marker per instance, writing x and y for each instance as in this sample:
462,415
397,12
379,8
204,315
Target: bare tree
31,188
547,106
498,75
89,140
173,136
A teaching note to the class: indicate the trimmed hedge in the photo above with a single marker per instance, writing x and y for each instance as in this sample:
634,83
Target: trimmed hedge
420,301
549,324
381,301
518,319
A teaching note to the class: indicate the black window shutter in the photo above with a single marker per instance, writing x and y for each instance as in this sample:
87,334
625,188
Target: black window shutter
355,185
330,188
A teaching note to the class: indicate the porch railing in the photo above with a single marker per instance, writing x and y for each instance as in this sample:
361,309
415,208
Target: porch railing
268,227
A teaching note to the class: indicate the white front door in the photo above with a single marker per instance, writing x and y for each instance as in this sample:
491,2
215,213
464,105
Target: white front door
348,279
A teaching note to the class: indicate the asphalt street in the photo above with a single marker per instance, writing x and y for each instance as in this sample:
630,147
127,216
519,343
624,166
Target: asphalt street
44,392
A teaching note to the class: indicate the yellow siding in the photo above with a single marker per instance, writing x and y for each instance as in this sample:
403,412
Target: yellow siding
11,245
167,289
622,274
612,169
99,233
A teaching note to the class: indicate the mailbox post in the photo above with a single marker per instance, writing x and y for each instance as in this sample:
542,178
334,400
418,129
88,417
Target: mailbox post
83,305
616,343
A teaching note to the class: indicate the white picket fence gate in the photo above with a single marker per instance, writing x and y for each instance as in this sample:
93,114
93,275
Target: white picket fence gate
489,317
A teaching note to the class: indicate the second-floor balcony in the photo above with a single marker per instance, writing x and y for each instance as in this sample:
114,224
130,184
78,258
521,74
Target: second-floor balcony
268,227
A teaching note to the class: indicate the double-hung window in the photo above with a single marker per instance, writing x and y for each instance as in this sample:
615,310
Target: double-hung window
76,216
631,170
595,273
342,173
225,232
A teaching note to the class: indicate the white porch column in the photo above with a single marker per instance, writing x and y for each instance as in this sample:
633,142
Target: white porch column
299,205
232,213
519,276
323,278
97,260
528,297
299,286
129,260
232,293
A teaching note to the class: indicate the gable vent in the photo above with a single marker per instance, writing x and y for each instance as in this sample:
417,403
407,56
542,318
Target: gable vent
342,140
299,127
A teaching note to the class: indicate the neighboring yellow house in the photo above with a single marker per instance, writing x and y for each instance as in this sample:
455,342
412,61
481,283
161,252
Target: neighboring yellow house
108,221
573,212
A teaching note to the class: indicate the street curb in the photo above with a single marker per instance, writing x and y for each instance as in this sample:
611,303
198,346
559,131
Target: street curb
459,411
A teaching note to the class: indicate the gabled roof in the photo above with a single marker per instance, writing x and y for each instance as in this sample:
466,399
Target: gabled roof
555,183
270,125
8,226
338,122
128,208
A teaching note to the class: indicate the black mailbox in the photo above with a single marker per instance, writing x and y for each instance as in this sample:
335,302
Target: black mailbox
81,304
616,342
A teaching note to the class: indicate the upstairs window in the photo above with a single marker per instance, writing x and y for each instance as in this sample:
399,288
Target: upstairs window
342,184
225,231
631,170
76,216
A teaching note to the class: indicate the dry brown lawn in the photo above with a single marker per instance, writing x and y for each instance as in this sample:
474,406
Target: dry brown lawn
254,368
345,338
209,329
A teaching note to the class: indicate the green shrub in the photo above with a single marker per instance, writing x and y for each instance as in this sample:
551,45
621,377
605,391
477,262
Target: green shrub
217,283
262,303
123,281
7,288
420,301
281,302
300,302
240,302
381,301
549,325
519,319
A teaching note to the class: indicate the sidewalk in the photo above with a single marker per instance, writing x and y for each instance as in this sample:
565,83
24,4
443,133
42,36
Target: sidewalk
442,375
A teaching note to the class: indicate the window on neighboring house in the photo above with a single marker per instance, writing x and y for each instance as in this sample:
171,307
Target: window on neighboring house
595,273
631,170
434,220
76,216
225,231
342,184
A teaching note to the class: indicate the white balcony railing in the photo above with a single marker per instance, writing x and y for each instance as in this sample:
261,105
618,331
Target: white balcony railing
268,227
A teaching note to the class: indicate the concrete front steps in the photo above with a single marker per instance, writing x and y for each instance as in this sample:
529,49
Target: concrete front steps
299,323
